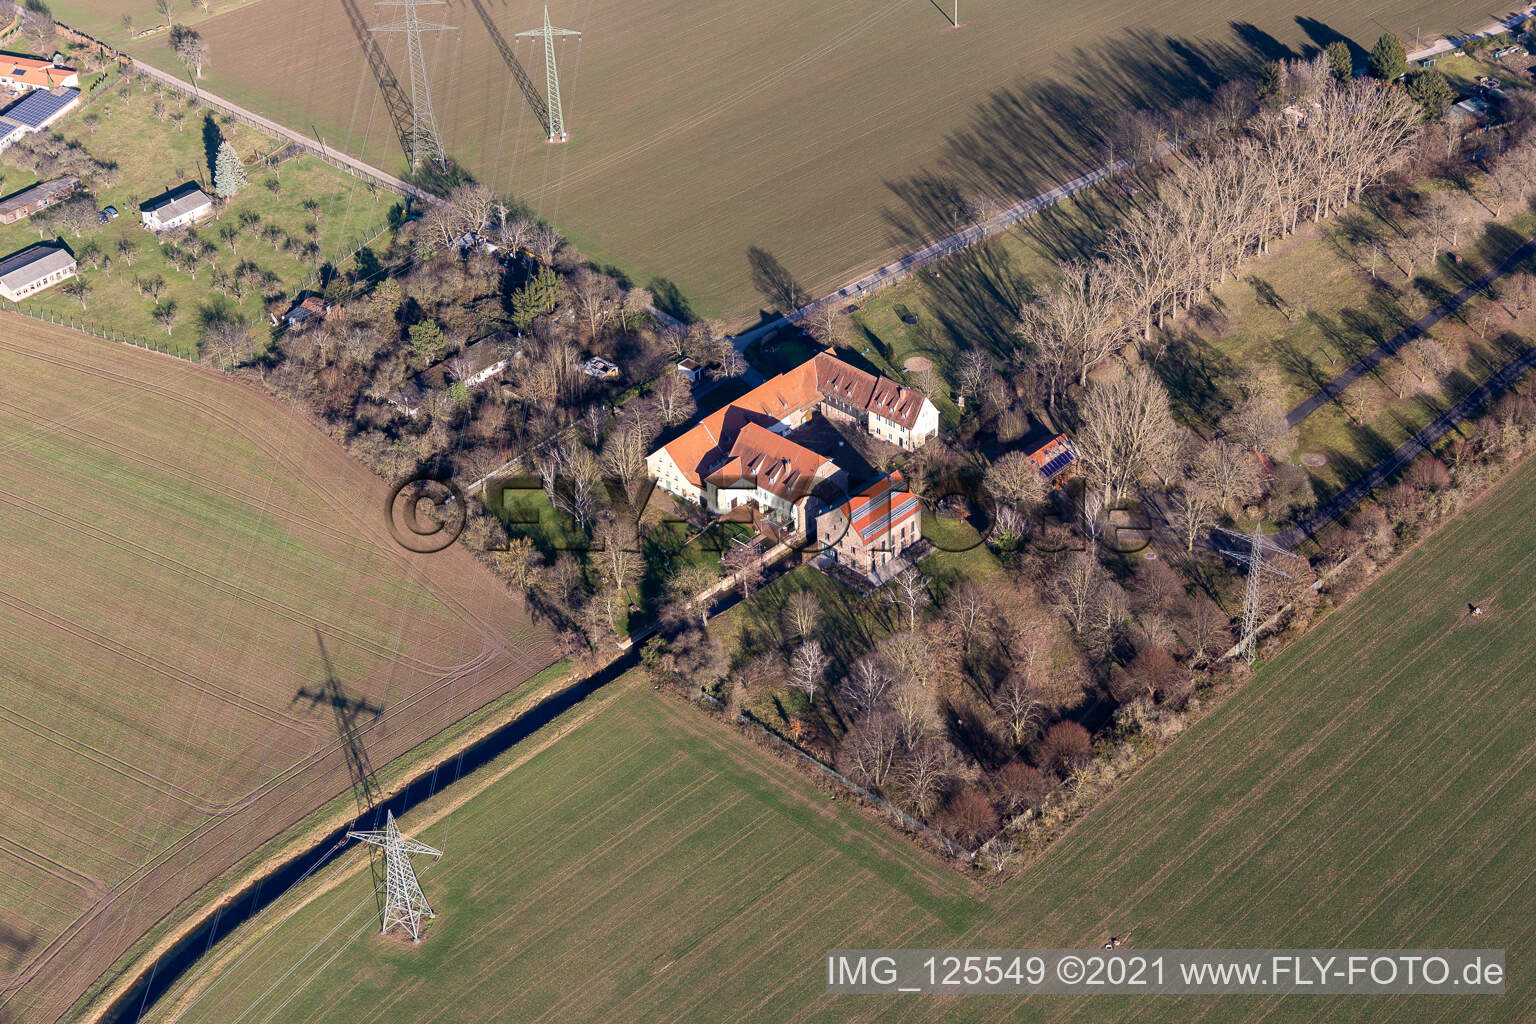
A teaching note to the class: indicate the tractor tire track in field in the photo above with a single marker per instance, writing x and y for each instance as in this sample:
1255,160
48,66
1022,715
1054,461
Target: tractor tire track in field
209,581
127,653
299,469
239,497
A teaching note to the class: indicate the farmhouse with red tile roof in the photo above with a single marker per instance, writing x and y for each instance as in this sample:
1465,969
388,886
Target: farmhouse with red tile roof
871,530
823,383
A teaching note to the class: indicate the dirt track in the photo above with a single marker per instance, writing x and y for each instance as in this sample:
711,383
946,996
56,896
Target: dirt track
177,546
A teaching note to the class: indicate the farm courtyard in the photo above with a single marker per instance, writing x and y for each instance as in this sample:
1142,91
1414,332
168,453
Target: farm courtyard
200,588
1374,786
827,135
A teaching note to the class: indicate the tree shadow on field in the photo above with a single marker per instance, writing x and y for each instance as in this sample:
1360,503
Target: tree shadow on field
1035,133
212,139
1322,34
774,281
1028,136
976,296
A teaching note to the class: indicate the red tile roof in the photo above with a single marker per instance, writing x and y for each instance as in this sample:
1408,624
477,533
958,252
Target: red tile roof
880,508
43,74
766,460
823,376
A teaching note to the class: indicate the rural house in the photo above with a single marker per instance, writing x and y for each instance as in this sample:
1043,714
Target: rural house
773,477
29,200
25,74
179,208
35,269
870,531
313,307
1053,457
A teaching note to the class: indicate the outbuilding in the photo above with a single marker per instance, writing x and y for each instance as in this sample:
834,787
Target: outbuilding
34,269
179,208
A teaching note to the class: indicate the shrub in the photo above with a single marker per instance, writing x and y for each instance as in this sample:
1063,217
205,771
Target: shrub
1064,746
969,818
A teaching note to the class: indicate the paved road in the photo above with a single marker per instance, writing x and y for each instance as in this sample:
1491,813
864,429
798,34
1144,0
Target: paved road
1415,446
964,238
405,188
1497,25
1330,391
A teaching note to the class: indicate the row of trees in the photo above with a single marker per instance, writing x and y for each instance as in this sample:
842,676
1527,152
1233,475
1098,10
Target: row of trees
1226,198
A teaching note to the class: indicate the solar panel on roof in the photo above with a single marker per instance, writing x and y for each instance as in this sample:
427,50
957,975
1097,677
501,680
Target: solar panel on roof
1056,465
36,107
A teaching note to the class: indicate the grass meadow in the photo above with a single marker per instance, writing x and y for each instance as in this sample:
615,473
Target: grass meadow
1373,786
186,567
824,134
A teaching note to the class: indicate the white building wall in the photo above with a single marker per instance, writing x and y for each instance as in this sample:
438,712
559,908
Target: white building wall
669,478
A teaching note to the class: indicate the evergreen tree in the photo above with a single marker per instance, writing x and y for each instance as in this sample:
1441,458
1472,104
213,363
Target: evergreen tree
228,175
427,341
1340,64
1432,92
1388,58
540,295
1269,81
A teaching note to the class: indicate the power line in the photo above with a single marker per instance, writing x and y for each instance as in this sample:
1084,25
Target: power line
426,143
557,131
1259,548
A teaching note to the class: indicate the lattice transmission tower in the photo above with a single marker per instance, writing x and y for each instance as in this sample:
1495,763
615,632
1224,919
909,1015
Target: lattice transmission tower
551,75
1260,548
426,144
404,902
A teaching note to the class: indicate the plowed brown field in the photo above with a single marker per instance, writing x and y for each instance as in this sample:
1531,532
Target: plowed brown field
181,558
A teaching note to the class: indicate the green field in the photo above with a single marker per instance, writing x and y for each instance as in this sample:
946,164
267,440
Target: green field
813,131
153,156
1373,786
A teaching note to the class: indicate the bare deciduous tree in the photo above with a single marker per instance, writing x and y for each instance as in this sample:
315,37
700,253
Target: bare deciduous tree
1128,432
807,666
802,614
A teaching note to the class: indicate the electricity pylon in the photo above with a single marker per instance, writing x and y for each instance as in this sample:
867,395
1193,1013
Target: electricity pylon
1259,547
403,900
426,144
551,75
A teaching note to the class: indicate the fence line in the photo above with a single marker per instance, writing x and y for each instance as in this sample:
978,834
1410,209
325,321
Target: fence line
314,148
86,326
949,846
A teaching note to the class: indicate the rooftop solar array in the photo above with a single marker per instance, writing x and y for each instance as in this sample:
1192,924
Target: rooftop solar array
1058,462
36,107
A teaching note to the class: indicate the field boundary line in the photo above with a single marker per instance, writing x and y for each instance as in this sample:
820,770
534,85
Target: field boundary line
340,872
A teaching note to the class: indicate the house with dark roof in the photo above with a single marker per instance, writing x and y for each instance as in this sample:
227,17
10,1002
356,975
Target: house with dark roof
870,531
30,200
41,108
179,208
312,308
34,269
